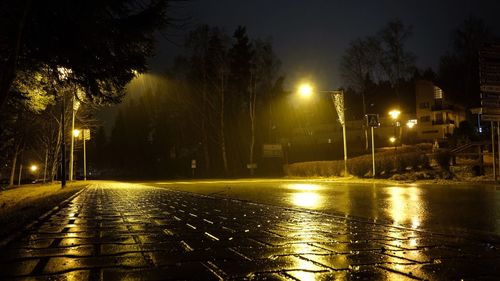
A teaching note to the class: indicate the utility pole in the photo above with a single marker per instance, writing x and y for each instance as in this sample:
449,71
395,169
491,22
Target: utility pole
63,145
84,156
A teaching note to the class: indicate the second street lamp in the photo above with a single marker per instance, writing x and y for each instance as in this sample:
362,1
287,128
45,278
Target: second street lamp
306,90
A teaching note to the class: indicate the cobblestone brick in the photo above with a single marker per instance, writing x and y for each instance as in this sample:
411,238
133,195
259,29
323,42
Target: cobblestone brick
122,231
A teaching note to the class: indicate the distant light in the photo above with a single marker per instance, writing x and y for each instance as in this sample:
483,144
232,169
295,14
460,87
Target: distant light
305,90
411,123
34,168
392,139
394,114
76,133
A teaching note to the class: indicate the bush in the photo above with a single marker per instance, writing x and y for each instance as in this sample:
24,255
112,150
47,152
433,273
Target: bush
386,162
443,158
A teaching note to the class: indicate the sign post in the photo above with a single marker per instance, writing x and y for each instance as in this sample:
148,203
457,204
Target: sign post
372,122
489,79
193,166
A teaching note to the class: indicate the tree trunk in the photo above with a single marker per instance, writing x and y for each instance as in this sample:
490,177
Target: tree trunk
222,134
365,127
252,127
13,169
204,131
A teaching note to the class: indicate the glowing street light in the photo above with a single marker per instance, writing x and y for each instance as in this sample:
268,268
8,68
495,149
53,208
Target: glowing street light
392,139
33,168
394,114
411,123
305,90
85,135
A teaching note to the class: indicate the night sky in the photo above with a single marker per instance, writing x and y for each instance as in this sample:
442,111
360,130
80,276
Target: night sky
310,36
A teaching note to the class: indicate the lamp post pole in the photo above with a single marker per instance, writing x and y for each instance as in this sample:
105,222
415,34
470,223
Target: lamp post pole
84,157
373,153
306,90
76,105
63,145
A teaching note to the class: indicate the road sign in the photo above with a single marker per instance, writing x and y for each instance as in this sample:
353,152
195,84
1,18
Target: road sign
490,117
86,134
490,88
491,110
490,103
272,151
372,120
490,96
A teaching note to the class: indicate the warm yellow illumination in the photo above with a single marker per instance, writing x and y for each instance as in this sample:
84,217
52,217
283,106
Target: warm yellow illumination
411,123
76,133
394,114
34,168
305,90
306,199
392,139
303,186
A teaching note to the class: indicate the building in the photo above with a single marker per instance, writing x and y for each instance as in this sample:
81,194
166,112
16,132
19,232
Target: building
434,118
437,116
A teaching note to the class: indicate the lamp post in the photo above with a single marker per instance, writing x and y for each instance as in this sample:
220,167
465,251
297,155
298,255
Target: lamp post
306,90
85,135
76,105
395,117
34,170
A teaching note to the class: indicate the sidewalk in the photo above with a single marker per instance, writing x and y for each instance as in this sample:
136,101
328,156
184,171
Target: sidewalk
20,205
114,231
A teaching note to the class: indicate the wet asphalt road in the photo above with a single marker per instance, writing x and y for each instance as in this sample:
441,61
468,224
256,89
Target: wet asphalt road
442,208
125,231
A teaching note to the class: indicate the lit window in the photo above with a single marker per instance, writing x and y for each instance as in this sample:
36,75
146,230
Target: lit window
438,93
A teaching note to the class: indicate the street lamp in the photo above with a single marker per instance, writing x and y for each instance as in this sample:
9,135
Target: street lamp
33,168
85,135
305,90
411,123
76,105
394,114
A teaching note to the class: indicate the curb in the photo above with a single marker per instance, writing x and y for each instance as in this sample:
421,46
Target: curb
40,219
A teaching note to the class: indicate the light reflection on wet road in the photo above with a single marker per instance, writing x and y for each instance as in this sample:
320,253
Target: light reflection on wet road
444,208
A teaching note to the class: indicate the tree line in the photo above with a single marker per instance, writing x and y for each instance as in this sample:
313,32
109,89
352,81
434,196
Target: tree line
215,105
218,104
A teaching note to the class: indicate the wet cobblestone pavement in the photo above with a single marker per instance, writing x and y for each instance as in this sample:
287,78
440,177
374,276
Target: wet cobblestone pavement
117,231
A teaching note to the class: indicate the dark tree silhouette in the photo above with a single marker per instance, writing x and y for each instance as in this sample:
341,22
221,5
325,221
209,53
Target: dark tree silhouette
102,42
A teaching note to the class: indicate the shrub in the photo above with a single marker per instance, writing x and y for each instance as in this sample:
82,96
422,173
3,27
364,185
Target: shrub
443,158
386,162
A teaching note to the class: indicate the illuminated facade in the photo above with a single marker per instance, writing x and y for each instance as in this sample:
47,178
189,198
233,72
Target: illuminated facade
437,116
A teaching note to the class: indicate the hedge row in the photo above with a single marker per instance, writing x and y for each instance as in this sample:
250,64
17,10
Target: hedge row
386,163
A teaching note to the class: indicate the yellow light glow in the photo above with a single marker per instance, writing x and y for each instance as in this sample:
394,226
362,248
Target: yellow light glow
306,199
411,123
34,168
392,139
76,133
303,186
394,114
305,90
